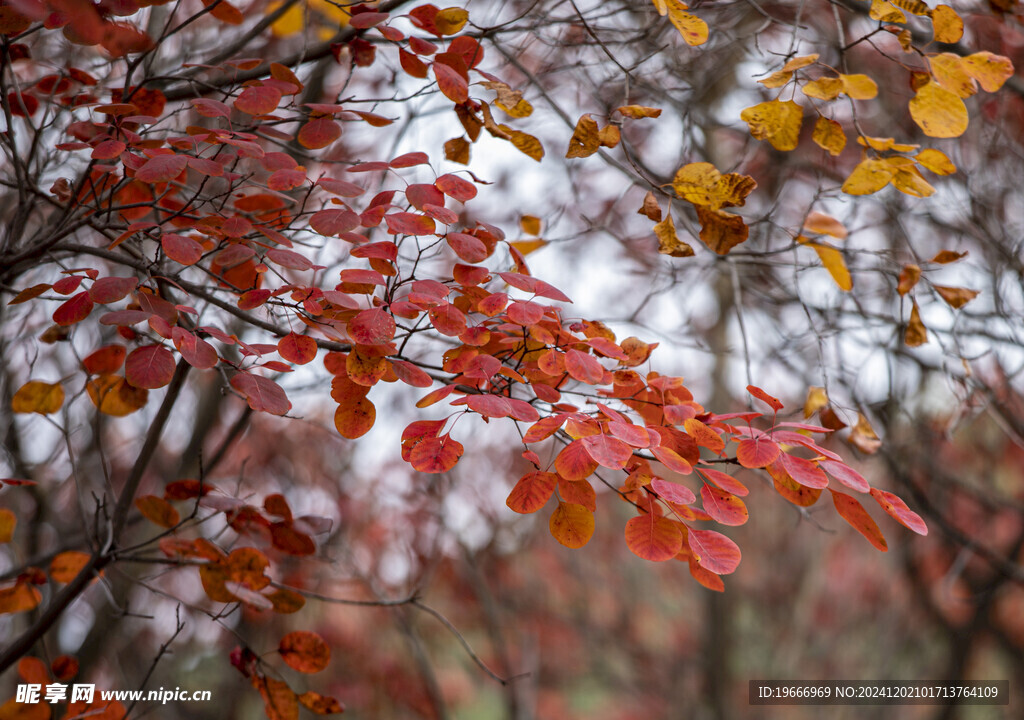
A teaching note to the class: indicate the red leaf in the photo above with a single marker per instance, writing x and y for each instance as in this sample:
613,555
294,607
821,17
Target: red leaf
436,455
263,394
411,159
654,538
584,367
724,507
410,374
406,223
607,451
726,482
197,352
467,247
455,187
319,133
298,349
451,83
105,361
108,290
372,327
714,551
804,471
490,406
532,492
412,64
289,259
530,313
149,367
899,511
334,221
305,651
74,309
845,474
448,319
258,100
544,428
181,249
854,513
673,492
757,452
162,168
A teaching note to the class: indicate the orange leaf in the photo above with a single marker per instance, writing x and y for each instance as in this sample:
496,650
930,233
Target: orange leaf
66,566
653,538
36,396
956,297
571,525
305,651
8,521
436,454
298,349
355,417
157,510
532,492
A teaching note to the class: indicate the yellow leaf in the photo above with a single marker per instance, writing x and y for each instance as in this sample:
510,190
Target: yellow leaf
859,87
909,276
823,224
863,436
38,397
911,182
885,12
609,136
8,521
939,112
936,161
916,334
528,246
637,112
915,7
530,224
944,257
509,100
948,70
870,176
948,26
526,144
450,20
776,121
817,398
669,242
703,185
721,231
956,297
882,144
833,261
825,88
457,150
571,525
584,141
991,71
829,135
777,79
693,30
291,22
799,62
